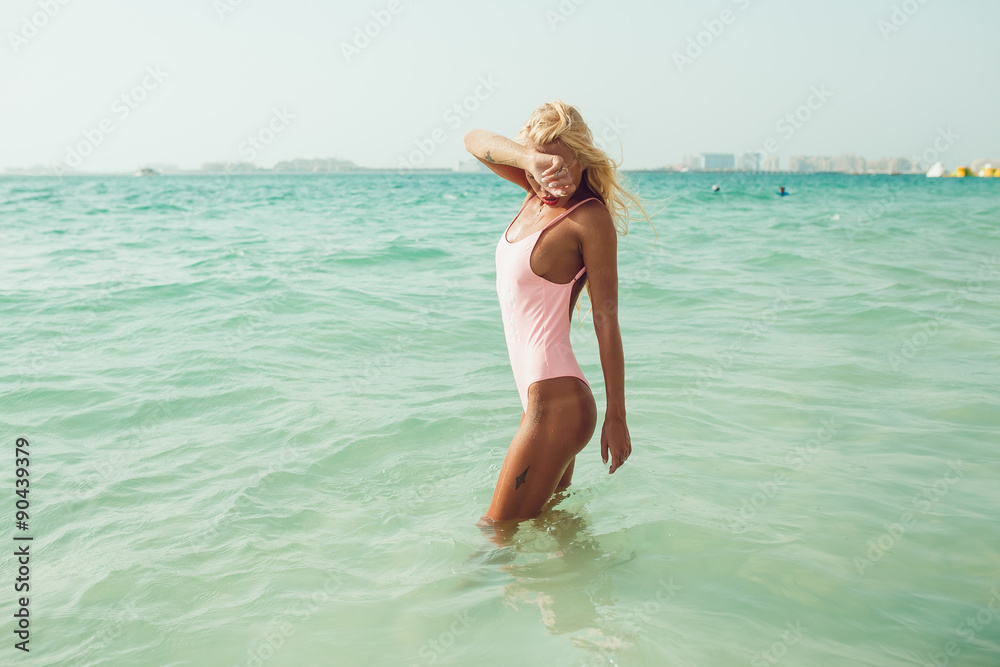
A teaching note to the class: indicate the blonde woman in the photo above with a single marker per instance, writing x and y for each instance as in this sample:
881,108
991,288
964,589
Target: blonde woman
564,236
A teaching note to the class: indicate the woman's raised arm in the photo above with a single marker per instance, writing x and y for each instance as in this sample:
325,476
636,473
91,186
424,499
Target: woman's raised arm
510,160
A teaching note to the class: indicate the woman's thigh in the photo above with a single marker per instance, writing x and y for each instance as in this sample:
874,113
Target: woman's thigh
559,422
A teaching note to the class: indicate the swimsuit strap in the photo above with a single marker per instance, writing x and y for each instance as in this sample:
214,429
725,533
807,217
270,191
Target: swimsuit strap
567,212
584,269
563,215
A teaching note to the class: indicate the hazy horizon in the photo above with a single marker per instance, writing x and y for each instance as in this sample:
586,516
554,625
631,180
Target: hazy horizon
118,86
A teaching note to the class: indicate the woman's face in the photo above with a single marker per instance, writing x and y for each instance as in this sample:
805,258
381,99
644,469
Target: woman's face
571,179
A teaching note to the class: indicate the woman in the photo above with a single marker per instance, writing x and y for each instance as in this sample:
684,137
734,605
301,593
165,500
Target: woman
564,236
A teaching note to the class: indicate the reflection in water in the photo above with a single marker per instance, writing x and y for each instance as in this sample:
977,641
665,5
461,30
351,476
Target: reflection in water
557,565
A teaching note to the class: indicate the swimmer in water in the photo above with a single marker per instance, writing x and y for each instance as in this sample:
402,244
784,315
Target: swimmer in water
781,191
564,237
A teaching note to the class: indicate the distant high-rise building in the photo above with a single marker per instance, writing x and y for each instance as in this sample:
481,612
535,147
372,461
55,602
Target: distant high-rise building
772,163
900,165
718,161
692,162
749,161
808,164
894,165
880,166
848,163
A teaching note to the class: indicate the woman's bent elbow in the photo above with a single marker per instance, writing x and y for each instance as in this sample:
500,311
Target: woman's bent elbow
469,139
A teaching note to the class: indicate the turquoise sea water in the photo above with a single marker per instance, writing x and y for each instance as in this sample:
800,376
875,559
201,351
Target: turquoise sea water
265,414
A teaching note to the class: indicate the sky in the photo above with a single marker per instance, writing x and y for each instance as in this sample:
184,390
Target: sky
110,85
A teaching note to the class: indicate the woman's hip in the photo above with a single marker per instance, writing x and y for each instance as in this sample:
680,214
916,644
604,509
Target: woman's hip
565,401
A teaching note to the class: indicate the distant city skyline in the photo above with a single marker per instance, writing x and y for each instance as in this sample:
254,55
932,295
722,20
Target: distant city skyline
847,163
396,83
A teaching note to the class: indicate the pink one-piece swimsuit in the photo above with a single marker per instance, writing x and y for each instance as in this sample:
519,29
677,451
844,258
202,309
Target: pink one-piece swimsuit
535,313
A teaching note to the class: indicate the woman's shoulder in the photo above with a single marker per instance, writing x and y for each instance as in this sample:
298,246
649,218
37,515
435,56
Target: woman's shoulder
592,222
592,211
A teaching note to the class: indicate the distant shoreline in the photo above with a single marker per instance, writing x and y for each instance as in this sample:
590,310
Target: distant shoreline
426,172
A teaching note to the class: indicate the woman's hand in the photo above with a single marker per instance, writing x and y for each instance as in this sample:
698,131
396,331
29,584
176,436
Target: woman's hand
551,172
615,439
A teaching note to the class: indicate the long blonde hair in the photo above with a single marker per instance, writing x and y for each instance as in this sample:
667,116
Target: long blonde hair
558,121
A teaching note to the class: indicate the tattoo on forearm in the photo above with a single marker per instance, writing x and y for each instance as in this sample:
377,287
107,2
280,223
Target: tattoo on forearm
519,480
511,162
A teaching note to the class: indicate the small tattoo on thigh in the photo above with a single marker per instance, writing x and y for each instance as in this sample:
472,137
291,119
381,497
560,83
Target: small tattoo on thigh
519,480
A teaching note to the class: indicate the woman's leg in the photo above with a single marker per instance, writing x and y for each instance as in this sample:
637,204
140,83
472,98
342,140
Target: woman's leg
567,476
559,422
